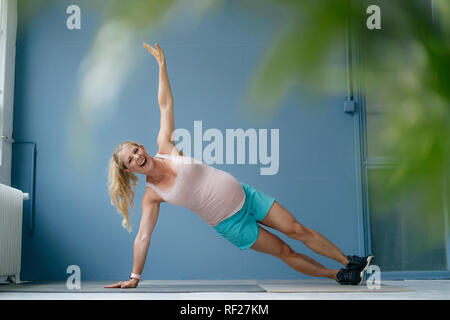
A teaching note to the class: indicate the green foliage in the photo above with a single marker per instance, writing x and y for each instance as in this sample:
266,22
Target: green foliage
405,70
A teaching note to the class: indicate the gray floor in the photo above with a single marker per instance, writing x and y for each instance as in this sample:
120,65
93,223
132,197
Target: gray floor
320,289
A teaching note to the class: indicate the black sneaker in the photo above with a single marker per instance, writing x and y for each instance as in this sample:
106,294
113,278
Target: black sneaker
349,277
359,263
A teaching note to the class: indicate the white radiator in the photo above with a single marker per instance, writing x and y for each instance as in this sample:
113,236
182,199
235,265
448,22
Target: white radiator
11,204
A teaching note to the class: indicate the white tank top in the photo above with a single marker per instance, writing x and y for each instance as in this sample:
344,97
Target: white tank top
211,193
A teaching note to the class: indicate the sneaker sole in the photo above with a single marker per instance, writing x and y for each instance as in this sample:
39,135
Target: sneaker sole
363,271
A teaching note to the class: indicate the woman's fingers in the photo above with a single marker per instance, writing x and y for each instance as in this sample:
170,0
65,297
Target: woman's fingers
121,284
152,50
115,285
149,48
159,49
156,52
128,284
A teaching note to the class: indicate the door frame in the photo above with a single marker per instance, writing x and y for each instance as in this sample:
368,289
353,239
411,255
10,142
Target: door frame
364,163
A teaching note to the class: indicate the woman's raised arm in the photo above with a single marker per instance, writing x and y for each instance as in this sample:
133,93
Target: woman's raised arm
165,97
165,100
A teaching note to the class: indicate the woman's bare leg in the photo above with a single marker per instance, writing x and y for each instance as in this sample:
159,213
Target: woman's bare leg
282,220
271,244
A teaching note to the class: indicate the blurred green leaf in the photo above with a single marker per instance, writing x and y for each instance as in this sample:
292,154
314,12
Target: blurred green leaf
405,70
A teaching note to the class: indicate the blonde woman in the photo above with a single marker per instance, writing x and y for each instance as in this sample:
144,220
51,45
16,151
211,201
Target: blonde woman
236,210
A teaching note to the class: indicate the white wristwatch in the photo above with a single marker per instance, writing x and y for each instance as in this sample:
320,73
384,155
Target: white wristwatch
135,276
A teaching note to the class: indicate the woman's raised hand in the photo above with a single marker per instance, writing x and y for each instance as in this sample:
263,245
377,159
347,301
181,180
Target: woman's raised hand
156,52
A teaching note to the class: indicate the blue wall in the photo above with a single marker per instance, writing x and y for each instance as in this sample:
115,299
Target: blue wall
210,64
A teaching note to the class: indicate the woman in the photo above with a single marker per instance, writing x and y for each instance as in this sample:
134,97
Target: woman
234,209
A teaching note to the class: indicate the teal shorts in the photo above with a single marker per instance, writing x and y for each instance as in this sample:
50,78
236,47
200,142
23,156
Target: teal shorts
242,229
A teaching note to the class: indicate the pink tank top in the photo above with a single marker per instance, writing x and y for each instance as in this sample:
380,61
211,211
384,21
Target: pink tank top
211,193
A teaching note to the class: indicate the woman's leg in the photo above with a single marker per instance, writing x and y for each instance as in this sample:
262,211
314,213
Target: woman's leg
282,220
271,244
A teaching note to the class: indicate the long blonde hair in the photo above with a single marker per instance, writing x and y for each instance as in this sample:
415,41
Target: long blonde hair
121,184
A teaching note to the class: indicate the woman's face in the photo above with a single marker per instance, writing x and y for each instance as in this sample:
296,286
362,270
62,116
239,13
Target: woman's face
136,159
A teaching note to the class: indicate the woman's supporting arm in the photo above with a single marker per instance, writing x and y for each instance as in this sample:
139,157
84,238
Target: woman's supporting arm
150,212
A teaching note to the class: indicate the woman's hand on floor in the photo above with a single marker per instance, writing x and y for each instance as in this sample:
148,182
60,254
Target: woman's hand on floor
157,52
124,284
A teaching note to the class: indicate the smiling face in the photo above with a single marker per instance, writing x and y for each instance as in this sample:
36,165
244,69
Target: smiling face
136,159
